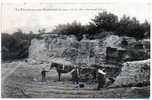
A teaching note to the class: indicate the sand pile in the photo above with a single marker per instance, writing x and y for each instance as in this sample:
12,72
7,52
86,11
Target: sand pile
133,73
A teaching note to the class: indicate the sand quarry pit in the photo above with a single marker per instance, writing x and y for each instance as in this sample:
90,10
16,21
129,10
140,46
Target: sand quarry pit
23,80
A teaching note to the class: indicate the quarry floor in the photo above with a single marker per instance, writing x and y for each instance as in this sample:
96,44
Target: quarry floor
23,80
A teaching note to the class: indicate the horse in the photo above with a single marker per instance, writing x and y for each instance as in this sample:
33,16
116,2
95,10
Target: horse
61,68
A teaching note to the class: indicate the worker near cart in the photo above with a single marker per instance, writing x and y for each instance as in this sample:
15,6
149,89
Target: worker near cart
101,78
43,74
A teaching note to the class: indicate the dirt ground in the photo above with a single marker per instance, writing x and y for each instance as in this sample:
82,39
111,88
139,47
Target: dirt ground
23,80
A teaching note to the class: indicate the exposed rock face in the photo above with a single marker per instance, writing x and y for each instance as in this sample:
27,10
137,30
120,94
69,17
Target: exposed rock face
38,50
125,48
84,51
110,46
133,73
87,51
67,48
70,54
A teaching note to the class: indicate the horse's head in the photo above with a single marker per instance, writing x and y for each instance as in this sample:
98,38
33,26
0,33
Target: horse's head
51,65
55,65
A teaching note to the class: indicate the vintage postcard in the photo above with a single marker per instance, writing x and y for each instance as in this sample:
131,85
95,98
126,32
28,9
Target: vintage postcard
75,49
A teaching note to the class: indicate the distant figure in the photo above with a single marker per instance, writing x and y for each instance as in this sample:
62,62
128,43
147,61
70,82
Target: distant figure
43,73
75,75
100,78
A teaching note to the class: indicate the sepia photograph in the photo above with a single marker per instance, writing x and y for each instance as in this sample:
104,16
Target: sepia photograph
97,49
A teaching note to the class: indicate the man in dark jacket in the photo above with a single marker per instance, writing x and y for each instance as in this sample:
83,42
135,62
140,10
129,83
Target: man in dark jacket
75,75
100,78
43,73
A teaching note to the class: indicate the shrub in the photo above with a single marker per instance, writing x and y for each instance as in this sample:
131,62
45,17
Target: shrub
105,21
15,46
131,27
74,28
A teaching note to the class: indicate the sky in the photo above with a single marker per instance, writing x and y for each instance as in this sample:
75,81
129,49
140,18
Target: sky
47,14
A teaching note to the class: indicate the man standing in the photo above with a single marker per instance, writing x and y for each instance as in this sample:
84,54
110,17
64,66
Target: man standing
100,78
75,75
43,73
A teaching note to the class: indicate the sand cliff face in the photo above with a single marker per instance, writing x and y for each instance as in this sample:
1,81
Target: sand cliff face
85,51
67,48
133,73
38,50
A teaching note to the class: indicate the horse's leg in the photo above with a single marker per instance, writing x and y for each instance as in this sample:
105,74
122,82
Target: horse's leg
59,75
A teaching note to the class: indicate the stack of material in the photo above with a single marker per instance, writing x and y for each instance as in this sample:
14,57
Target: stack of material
133,73
100,50
57,46
87,51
